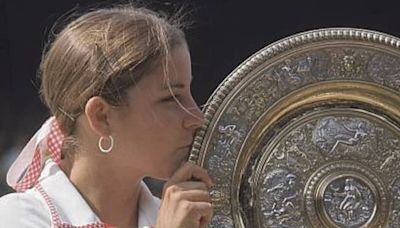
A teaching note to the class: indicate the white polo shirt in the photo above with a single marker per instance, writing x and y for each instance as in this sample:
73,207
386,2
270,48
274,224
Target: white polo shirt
55,202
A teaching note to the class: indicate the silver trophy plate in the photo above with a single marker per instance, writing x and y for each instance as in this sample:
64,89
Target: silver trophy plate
306,133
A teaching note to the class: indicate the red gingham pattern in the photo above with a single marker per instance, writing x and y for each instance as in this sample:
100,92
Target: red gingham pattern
93,225
54,144
32,175
55,218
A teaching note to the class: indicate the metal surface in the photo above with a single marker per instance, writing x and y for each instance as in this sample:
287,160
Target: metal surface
306,133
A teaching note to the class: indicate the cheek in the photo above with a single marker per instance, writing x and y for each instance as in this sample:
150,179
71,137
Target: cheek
159,129
163,123
172,116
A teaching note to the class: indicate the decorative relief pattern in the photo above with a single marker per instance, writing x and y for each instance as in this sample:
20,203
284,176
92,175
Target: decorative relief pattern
295,152
330,137
348,63
349,202
298,155
394,219
339,189
280,200
253,102
316,142
305,68
391,154
228,139
290,74
221,221
331,132
385,70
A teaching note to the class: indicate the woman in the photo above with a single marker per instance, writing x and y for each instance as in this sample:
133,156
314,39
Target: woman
117,82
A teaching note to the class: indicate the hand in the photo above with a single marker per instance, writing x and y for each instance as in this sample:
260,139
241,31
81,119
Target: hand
186,203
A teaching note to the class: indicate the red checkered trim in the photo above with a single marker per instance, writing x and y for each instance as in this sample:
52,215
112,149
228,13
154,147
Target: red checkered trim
54,144
55,141
94,225
55,217
32,175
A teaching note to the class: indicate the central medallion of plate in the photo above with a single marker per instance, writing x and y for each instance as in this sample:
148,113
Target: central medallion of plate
321,170
349,202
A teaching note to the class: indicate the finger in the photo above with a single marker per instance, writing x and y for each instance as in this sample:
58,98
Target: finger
189,171
193,196
188,185
171,188
204,213
185,190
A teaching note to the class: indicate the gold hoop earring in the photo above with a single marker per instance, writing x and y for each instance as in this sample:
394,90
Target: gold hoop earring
100,144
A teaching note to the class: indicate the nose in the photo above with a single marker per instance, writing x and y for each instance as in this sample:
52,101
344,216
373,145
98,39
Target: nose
194,118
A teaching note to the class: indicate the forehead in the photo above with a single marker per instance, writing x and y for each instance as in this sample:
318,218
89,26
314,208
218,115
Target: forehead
175,72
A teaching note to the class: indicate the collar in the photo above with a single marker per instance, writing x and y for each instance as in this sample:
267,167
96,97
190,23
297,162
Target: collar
72,208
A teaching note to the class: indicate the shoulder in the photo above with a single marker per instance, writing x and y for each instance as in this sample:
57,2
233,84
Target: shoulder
23,210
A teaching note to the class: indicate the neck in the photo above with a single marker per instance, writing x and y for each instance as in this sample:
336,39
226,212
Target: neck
109,195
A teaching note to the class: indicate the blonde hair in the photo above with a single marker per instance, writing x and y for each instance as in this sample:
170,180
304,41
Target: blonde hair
103,53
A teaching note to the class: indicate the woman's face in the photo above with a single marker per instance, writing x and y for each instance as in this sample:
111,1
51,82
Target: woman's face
153,133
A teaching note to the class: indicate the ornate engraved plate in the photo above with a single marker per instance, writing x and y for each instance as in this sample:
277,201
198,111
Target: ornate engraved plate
306,133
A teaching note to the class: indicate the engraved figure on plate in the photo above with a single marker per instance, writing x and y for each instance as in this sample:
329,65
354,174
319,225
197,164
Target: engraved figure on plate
279,197
330,132
349,202
223,161
293,151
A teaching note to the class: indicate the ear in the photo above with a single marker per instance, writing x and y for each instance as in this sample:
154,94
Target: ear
97,112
